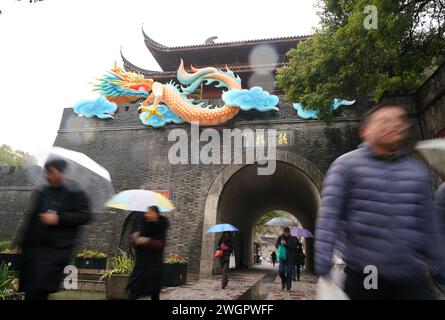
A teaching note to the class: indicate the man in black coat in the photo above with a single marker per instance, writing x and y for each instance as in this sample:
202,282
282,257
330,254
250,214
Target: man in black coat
149,242
50,233
286,267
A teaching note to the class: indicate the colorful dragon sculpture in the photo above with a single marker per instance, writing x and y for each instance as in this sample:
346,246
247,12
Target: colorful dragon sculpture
123,87
184,108
167,103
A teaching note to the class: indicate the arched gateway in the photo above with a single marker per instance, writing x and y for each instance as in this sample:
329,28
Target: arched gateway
239,196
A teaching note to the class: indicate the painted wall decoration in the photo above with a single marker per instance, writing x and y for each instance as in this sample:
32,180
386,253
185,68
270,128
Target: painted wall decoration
161,104
309,114
101,108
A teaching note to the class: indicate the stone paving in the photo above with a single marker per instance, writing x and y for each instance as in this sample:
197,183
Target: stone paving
305,289
239,283
210,288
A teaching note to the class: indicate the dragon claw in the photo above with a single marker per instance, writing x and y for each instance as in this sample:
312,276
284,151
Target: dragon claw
152,111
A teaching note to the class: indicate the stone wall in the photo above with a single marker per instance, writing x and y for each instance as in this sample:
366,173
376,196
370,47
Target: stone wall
15,192
430,99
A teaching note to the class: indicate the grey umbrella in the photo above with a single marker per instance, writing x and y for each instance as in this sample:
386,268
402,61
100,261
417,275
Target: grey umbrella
82,172
281,222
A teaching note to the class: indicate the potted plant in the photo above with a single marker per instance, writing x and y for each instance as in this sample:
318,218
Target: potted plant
91,259
174,271
10,256
8,284
117,278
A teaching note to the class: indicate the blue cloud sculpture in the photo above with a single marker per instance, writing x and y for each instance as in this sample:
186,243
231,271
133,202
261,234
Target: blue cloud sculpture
303,113
168,116
340,102
310,114
101,108
254,98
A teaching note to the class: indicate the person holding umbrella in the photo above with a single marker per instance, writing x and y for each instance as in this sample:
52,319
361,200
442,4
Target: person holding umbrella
225,244
50,232
299,254
286,256
299,260
149,243
224,248
148,239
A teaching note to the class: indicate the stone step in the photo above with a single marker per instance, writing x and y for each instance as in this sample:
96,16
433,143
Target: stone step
95,286
88,285
89,280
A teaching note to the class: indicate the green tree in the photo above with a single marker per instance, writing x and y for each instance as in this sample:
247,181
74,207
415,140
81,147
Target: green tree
10,157
343,59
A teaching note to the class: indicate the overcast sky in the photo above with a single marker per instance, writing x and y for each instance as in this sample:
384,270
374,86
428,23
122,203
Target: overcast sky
51,50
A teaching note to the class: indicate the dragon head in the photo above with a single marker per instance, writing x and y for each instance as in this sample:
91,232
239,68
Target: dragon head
132,80
142,85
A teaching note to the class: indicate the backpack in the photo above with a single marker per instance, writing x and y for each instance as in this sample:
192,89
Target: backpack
281,253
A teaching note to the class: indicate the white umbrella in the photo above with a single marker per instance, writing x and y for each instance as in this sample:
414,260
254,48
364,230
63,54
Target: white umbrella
80,159
281,222
84,173
434,152
140,200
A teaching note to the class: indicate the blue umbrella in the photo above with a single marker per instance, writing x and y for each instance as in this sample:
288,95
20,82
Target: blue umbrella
300,232
221,228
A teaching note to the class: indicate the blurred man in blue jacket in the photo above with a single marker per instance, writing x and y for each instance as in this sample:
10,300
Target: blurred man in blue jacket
381,202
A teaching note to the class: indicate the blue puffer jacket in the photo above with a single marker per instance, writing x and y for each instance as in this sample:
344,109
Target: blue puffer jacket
384,208
440,240
440,206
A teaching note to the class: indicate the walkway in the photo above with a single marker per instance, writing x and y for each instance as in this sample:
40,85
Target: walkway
305,289
260,282
210,288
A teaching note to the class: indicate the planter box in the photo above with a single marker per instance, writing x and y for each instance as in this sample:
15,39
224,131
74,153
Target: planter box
115,286
14,296
91,263
174,274
13,261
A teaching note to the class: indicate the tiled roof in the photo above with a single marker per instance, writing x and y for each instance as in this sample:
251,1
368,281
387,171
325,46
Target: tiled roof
153,44
131,67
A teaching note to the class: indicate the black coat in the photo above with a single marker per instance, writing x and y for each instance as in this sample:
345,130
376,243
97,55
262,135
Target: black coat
299,255
46,250
225,258
146,277
290,246
274,256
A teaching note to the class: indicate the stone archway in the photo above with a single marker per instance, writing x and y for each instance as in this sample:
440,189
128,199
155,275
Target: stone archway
239,196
